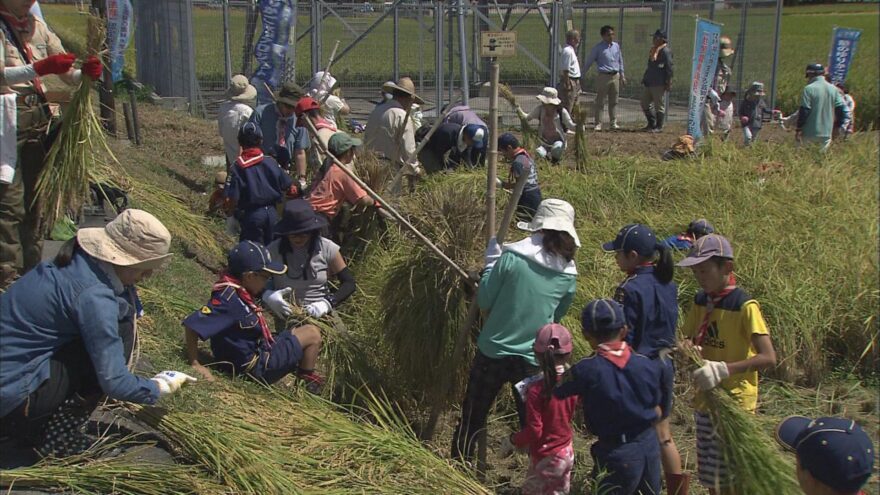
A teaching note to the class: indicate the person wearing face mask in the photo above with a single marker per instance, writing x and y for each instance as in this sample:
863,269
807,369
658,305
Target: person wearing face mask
67,329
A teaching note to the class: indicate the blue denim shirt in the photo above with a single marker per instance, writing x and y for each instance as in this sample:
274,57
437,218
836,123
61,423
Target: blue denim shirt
267,117
51,306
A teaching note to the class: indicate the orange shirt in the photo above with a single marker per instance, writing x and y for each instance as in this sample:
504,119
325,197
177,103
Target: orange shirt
336,186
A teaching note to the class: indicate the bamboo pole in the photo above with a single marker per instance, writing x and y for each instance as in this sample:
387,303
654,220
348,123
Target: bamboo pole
390,209
327,72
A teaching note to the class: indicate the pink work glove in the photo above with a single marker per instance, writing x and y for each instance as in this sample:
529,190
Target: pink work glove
54,64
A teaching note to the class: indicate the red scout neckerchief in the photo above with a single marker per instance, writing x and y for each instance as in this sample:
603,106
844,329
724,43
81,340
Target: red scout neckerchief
712,299
616,352
249,157
227,280
516,153
632,272
22,28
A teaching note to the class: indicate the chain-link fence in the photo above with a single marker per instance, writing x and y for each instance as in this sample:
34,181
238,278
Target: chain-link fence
424,40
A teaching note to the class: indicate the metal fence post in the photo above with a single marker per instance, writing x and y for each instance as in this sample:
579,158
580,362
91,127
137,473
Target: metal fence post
553,56
775,54
450,48
396,19
667,26
438,56
462,51
739,61
227,52
583,47
315,14
290,58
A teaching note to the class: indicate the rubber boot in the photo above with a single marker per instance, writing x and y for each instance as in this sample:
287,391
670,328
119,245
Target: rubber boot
64,433
652,122
677,484
661,117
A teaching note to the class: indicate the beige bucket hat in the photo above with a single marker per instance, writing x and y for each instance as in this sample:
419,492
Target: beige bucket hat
553,214
404,84
134,238
549,96
240,89
726,46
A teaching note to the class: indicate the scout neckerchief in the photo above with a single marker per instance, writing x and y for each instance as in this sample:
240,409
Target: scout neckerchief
249,157
616,352
632,272
227,280
16,29
655,51
712,299
516,153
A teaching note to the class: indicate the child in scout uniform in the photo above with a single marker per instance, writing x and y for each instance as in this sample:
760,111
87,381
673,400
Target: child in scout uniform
834,455
239,334
727,327
685,241
623,397
255,185
752,110
650,303
521,163
547,432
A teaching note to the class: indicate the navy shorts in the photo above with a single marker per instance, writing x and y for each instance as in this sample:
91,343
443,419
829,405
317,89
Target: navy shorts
282,358
668,381
631,467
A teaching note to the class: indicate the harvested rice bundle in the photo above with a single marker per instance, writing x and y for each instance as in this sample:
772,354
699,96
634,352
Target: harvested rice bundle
529,135
64,181
754,461
580,138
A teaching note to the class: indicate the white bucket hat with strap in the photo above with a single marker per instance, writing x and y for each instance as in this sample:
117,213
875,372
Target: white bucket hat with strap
134,238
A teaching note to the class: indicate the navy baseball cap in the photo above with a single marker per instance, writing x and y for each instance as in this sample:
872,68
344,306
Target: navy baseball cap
707,247
250,134
602,316
634,237
477,133
507,139
249,256
836,451
700,227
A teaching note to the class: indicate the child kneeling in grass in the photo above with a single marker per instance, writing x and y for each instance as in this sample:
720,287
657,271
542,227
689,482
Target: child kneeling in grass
239,333
547,432
727,328
623,397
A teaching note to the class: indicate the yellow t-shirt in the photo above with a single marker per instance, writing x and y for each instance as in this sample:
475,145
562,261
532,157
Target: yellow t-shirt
729,338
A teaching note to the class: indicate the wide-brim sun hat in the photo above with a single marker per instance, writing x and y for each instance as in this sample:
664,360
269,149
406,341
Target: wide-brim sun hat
289,94
134,238
405,85
549,96
298,218
553,214
240,89
726,47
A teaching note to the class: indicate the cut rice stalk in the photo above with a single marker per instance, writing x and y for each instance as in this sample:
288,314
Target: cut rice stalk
580,138
529,135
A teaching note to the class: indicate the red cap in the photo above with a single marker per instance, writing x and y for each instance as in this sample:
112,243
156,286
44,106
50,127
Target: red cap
305,104
555,335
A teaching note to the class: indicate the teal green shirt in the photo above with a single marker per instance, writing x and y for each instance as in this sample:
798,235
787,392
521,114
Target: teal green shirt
820,98
524,291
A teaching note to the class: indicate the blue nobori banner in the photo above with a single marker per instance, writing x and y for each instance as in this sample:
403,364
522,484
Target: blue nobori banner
843,46
705,62
271,49
119,13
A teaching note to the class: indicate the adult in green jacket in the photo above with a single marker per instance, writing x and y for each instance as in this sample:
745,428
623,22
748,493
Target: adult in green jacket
821,105
524,286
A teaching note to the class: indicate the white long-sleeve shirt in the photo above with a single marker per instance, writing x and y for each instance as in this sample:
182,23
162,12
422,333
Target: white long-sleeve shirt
382,128
230,117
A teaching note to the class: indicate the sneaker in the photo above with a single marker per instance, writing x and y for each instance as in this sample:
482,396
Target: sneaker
313,381
615,126
598,127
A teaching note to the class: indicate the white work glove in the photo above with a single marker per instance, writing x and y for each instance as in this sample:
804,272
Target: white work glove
507,448
493,252
710,375
7,173
319,308
277,301
171,381
499,182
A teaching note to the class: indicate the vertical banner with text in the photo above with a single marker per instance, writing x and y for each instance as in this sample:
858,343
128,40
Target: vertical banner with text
705,62
272,46
843,47
119,13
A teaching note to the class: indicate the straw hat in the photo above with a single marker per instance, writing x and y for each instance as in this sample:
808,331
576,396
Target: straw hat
240,89
134,238
726,46
220,178
404,84
549,96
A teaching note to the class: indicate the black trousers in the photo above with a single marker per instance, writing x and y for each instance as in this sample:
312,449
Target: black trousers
486,378
71,373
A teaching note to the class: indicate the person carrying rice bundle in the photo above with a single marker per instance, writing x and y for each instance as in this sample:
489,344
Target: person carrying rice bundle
726,327
68,330
555,124
239,334
623,396
524,286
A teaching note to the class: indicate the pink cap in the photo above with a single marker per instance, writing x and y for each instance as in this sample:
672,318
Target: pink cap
553,335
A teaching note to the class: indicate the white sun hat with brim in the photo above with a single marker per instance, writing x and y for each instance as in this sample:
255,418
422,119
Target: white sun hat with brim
134,238
549,96
553,214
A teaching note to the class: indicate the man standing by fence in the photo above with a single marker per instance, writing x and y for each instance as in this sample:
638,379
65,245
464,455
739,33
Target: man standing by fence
609,65
657,81
570,75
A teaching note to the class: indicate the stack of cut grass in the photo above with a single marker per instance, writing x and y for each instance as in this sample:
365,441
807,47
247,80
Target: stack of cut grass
580,137
529,135
365,226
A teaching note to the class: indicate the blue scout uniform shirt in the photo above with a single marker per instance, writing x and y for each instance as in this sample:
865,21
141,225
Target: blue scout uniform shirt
231,326
270,122
263,184
445,138
651,310
617,401
521,162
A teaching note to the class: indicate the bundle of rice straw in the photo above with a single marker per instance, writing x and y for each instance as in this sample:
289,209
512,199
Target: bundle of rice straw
754,461
64,182
580,138
529,135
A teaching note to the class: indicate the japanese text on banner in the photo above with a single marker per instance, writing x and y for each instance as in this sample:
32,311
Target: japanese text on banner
705,62
119,13
271,48
843,47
